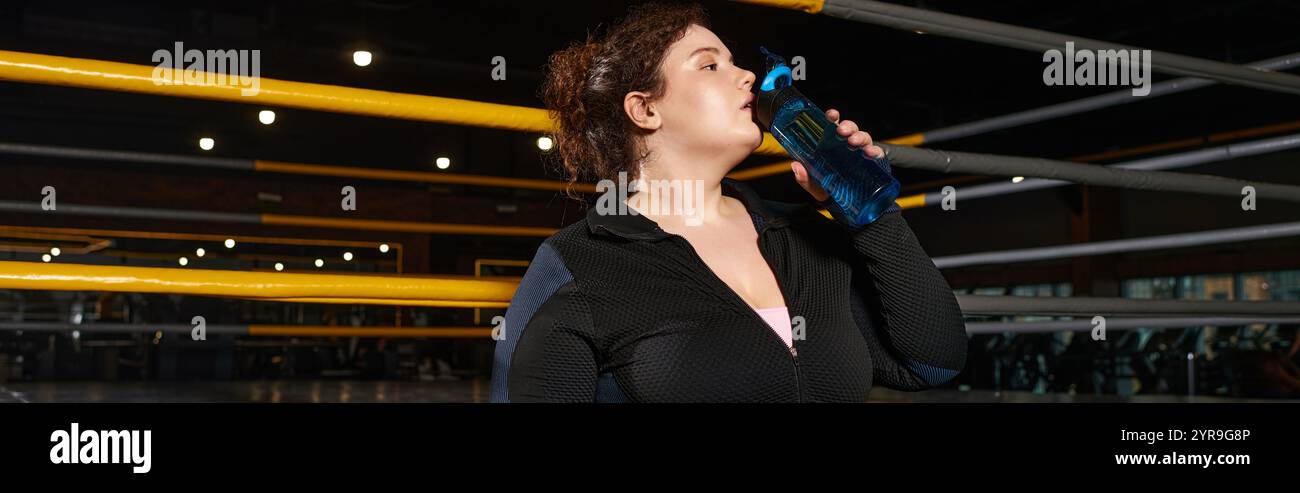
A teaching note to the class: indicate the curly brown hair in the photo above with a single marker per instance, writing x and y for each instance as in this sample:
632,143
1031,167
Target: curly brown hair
587,81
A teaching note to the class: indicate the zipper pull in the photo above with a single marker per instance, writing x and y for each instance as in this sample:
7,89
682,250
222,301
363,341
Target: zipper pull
794,351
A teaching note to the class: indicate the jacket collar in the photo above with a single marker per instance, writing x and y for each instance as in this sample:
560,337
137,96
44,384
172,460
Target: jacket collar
638,227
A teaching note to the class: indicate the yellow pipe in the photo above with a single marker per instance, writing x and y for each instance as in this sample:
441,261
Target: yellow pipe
809,6
280,285
911,140
96,74
478,272
906,202
388,302
784,166
333,331
761,171
911,201
770,147
405,226
126,77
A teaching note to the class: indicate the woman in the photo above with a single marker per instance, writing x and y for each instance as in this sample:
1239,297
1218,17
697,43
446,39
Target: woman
735,299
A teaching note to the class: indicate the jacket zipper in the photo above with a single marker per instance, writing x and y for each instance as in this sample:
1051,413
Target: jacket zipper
794,345
793,349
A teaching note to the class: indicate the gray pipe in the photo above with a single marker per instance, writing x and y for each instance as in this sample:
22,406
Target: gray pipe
134,157
1119,323
913,19
1217,154
972,304
1213,237
1109,176
1078,106
132,212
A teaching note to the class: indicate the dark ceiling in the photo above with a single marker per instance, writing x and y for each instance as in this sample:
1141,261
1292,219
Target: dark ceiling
891,82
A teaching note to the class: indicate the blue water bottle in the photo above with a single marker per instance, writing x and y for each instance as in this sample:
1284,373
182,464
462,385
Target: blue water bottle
861,185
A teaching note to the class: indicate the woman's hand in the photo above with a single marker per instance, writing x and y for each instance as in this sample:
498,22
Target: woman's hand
857,139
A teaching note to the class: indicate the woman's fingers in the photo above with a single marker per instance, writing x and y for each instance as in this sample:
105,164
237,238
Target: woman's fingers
811,186
860,139
846,128
856,137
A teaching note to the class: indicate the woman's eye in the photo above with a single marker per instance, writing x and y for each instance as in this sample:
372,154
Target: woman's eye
714,65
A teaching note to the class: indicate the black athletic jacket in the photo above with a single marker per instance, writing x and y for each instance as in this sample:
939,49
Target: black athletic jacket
612,308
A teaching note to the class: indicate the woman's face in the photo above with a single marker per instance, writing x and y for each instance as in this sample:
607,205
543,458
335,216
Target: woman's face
703,108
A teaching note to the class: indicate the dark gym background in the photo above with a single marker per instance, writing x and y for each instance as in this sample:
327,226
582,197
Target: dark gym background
890,82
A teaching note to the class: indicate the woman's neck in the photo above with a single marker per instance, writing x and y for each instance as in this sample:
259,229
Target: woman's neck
682,194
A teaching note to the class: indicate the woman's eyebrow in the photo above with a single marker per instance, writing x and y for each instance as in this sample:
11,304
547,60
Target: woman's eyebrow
710,49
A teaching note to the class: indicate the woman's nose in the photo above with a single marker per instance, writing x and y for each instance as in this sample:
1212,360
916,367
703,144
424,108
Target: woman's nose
748,80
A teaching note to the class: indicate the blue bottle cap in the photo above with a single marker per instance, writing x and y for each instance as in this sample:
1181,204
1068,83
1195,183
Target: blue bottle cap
777,72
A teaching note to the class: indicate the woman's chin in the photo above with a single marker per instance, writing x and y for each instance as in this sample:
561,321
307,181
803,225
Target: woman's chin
747,136
756,136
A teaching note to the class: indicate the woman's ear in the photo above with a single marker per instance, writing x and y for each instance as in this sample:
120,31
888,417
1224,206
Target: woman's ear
639,109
